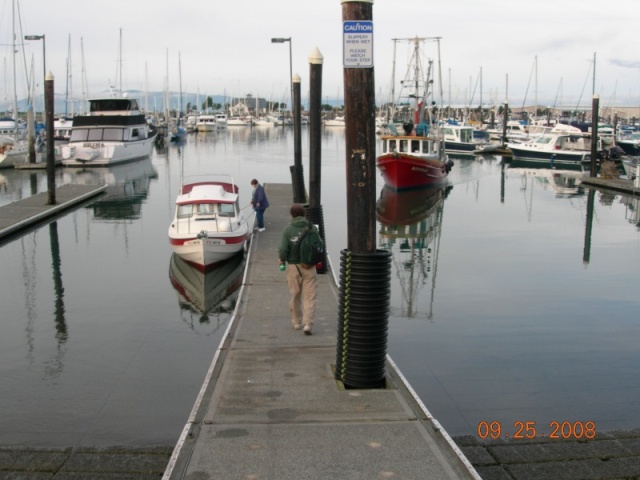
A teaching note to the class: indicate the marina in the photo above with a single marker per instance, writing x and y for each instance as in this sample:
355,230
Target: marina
469,357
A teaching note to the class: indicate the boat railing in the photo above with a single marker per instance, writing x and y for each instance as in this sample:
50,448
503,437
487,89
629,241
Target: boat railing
216,223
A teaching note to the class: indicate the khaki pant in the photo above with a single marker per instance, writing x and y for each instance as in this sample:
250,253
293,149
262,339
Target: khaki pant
302,286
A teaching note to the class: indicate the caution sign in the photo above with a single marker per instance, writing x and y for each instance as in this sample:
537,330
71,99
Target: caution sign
357,44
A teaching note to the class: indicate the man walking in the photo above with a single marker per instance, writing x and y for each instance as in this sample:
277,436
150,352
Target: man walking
302,279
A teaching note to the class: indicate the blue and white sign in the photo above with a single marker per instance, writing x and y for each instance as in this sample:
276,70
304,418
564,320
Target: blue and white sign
357,44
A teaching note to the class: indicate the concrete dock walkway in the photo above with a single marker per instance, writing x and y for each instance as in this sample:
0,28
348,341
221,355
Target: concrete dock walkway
18,216
272,409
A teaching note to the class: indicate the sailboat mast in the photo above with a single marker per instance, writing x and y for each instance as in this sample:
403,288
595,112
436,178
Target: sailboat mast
180,83
85,86
120,56
15,91
68,79
535,111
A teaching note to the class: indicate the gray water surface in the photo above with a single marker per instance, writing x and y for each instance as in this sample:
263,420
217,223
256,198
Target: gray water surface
511,302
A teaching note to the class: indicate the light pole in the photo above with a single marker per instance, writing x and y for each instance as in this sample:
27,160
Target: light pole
44,58
283,40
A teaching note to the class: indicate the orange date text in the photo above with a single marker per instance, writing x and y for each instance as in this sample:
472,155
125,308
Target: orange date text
529,430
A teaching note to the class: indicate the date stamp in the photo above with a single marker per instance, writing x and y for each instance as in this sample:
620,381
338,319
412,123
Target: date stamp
529,430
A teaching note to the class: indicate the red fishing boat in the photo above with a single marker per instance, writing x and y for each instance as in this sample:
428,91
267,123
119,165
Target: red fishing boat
415,156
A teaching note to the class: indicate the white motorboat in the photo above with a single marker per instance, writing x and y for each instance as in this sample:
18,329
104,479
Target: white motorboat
208,226
459,140
238,122
631,167
12,152
221,120
114,131
629,141
207,123
555,149
338,121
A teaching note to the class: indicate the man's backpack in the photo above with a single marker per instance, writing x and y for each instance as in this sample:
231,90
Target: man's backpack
311,247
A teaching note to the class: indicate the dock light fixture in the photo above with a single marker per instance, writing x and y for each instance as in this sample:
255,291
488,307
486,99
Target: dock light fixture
283,40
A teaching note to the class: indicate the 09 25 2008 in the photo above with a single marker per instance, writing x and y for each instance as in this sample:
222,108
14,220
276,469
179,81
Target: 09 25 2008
529,430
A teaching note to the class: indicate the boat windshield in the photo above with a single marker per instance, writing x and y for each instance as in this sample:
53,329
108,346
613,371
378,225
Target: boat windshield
206,210
97,134
226,209
544,140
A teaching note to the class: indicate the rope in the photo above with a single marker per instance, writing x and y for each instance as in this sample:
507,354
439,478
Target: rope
345,314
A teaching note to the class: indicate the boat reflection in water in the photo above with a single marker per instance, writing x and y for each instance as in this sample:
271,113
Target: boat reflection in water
410,223
564,182
127,187
207,296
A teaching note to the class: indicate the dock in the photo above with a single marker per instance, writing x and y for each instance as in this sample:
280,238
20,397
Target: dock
271,408
17,217
621,185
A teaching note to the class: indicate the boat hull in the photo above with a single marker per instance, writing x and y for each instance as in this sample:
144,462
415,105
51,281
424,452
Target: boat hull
104,154
551,159
207,252
460,148
401,171
10,158
630,166
629,147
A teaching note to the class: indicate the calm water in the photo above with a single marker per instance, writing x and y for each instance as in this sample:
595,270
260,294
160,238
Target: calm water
511,301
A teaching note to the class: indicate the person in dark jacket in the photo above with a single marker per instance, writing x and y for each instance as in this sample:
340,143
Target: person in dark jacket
259,202
302,279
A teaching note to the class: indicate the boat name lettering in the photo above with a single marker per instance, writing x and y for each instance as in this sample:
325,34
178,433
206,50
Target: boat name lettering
93,145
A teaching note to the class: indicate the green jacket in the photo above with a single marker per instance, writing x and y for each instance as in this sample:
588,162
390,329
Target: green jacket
290,236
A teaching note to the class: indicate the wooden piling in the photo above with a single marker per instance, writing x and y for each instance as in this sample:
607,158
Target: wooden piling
360,139
51,165
297,170
594,136
315,127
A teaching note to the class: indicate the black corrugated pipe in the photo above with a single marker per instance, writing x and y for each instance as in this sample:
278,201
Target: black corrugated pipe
315,216
363,318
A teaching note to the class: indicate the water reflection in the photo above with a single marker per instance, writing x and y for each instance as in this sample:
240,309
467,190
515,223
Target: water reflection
207,299
56,364
127,187
562,182
410,223
632,209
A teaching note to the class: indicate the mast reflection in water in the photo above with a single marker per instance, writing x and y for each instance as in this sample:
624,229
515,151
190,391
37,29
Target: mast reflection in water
410,224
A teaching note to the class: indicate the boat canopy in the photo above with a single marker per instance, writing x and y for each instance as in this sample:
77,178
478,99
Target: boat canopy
201,194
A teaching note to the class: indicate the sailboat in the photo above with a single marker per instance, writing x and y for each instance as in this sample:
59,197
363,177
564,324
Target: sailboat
414,157
13,149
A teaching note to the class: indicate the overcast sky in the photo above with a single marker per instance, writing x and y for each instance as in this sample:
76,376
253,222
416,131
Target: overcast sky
225,46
